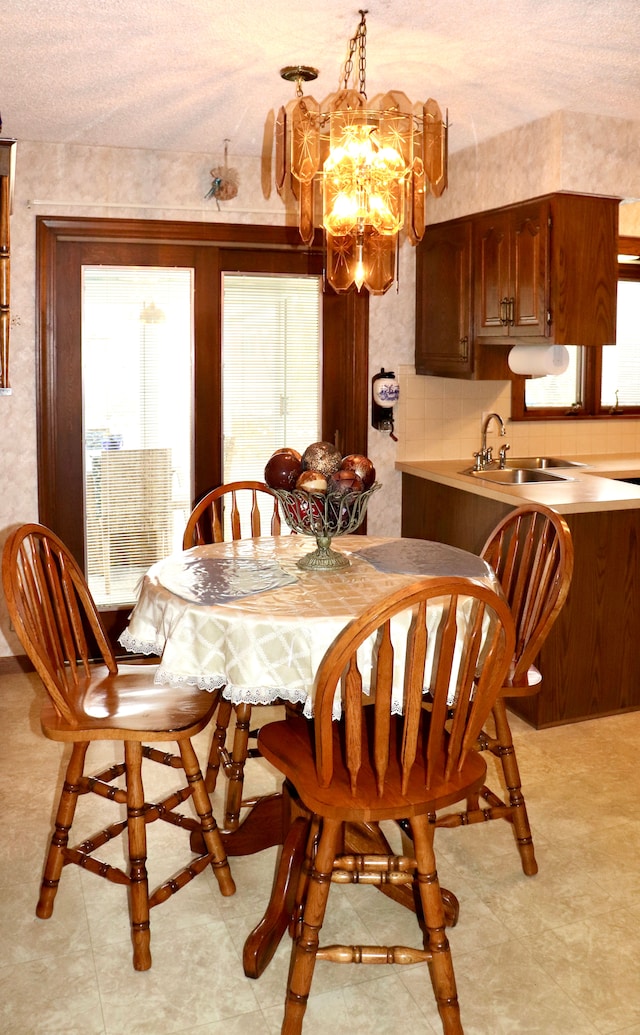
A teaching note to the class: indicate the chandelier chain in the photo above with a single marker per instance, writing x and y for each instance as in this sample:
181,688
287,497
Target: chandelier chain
359,42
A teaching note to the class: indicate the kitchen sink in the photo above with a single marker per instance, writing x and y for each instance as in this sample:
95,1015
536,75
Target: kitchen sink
515,475
540,463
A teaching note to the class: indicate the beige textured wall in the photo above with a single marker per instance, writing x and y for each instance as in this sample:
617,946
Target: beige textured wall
435,417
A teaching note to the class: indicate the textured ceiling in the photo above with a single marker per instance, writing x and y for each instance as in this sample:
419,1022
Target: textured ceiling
185,75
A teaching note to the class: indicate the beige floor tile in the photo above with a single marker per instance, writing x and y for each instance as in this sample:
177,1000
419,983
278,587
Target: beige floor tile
596,962
53,995
379,1005
551,955
196,978
504,991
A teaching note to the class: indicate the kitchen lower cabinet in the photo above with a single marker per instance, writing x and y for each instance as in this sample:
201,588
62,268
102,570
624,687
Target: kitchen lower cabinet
590,662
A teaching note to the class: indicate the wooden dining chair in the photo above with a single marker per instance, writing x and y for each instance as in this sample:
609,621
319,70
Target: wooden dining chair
207,525
434,638
531,552
206,521
91,700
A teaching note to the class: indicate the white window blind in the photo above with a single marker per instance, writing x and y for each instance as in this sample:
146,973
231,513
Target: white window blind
137,330
272,349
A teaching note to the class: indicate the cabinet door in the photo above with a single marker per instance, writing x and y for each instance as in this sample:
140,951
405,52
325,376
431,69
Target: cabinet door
491,249
443,301
529,272
512,273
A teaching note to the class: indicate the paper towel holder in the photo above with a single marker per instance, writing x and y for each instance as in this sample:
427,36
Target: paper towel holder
538,360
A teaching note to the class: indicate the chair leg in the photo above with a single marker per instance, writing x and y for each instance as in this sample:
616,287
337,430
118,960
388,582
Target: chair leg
311,849
235,770
60,839
509,762
137,835
305,946
440,965
223,718
210,831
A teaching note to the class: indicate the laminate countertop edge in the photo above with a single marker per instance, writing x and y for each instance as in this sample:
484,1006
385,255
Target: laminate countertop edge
594,487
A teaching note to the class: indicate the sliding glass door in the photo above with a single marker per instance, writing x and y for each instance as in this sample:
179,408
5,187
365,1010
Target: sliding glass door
137,391
148,397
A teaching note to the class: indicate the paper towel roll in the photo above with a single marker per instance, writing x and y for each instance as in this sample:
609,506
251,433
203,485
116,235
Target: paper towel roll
538,359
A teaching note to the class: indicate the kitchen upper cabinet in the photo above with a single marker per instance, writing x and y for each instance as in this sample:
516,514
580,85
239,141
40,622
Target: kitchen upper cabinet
544,271
443,303
512,273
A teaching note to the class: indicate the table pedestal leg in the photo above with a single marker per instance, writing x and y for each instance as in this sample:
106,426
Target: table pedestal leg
265,938
263,828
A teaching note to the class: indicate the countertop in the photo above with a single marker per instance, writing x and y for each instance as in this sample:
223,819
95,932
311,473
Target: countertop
590,488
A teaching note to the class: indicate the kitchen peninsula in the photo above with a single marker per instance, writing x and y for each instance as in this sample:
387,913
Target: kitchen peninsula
590,662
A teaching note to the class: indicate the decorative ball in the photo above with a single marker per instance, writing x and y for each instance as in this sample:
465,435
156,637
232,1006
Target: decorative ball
282,471
322,457
362,466
286,449
312,481
345,481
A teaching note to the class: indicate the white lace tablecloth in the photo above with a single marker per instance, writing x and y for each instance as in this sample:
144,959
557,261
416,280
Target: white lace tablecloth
242,615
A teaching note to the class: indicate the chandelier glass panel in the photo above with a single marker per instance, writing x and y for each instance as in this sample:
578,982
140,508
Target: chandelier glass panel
360,168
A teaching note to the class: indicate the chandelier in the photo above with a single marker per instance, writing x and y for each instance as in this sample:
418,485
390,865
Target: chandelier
359,168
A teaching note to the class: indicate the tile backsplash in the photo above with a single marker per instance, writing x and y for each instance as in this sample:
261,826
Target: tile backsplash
439,419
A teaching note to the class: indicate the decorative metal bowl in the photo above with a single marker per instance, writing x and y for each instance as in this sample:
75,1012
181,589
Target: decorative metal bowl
324,516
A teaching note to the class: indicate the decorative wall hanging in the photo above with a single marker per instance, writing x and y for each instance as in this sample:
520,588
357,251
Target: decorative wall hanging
224,181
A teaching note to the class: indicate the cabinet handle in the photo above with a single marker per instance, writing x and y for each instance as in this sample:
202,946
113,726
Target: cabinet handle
504,311
464,348
511,311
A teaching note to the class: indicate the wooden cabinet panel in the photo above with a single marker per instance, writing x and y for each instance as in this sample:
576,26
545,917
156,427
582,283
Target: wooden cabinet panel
584,264
446,515
590,663
492,257
537,272
443,302
511,251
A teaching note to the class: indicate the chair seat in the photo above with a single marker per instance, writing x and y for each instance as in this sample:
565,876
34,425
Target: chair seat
289,745
130,706
532,684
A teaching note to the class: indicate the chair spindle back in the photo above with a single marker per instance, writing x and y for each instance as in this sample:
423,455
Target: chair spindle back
446,641
531,552
52,608
206,521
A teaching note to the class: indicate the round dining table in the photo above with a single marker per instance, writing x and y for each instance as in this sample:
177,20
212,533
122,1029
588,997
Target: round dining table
241,617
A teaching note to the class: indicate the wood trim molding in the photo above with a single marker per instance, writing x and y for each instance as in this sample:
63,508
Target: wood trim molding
14,664
139,231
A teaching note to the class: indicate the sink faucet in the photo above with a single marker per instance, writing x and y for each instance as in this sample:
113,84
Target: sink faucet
485,455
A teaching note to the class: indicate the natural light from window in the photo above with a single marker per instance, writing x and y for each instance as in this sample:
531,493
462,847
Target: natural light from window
621,365
137,329
561,391
271,363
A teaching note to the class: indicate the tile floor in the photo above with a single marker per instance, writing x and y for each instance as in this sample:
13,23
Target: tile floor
556,954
